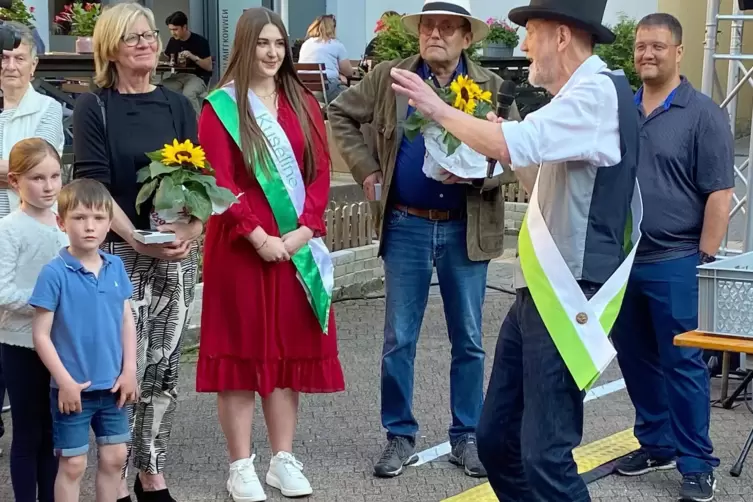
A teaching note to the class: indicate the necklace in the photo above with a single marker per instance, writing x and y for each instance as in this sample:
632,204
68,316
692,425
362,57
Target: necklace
274,93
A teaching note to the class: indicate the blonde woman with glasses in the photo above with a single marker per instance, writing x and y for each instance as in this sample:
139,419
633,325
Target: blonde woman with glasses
322,46
113,127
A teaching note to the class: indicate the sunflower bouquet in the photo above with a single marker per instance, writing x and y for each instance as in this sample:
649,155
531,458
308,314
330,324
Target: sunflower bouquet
445,154
183,185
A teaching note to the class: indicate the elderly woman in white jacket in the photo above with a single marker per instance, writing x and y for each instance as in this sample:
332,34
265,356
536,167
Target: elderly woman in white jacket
26,113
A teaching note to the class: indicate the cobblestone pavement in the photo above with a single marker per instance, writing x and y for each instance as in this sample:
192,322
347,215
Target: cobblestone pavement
339,436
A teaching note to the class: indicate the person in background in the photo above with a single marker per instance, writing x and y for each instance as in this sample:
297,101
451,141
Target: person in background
368,53
29,239
321,46
686,172
113,128
91,358
194,49
455,227
267,340
26,113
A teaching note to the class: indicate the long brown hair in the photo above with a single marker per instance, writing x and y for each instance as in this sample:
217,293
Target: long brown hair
240,67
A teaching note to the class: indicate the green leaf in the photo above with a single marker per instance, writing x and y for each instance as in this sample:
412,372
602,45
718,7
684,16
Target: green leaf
143,174
169,195
181,176
158,168
155,156
220,196
146,191
198,204
482,109
451,142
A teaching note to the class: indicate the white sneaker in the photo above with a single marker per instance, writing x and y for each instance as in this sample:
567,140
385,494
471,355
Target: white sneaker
286,474
243,483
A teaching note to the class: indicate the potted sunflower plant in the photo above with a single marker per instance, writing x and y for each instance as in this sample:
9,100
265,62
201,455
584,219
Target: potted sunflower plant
182,184
445,154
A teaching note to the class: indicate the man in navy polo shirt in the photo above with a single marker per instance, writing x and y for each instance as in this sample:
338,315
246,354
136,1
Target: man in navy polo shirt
686,177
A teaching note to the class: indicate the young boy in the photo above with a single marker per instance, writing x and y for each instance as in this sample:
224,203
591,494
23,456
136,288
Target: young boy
84,332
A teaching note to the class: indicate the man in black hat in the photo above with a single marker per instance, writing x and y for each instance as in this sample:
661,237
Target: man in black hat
576,245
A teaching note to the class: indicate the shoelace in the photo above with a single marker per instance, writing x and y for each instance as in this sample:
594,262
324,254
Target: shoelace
246,470
392,447
292,465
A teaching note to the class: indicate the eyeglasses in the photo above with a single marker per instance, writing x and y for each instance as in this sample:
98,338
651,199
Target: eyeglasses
446,29
132,39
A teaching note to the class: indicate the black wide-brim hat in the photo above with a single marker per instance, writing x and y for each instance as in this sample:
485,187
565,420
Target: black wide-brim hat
584,14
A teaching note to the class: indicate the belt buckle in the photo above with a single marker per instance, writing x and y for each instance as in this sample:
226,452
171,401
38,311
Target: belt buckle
437,215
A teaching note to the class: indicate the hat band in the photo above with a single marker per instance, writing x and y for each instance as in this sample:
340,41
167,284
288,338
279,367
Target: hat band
445,6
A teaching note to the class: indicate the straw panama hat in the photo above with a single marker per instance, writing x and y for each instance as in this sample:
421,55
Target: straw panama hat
461,8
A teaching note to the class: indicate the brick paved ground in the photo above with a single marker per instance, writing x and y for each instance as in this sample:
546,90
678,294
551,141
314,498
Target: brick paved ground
340,436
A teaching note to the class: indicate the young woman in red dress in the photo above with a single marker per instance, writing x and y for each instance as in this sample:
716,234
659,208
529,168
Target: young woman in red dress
260,333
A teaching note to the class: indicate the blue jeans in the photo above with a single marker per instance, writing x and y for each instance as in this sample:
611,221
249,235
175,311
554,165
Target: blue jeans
33,467
413,246
669,385
100,412
533,414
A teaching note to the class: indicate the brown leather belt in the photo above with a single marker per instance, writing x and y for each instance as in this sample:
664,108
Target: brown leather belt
432,214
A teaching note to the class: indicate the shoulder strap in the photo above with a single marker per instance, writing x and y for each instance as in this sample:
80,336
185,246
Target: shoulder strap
627,111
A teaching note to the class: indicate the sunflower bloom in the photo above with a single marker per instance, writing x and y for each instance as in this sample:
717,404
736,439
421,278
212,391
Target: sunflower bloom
180,154
465,94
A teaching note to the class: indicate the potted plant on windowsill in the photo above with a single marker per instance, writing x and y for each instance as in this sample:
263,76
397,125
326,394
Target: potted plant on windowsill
502,39
78,19
19,13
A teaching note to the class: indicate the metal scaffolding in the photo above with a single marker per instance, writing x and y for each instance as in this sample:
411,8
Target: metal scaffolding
738,76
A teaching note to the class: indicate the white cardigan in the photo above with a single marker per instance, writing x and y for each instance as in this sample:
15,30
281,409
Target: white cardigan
25,124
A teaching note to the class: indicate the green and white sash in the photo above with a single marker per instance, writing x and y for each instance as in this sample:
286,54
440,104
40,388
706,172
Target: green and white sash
283,186
578,326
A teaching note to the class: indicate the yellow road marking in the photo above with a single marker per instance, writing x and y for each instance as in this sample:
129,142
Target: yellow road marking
588,457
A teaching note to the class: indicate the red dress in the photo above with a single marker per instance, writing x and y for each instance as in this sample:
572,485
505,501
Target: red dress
258,330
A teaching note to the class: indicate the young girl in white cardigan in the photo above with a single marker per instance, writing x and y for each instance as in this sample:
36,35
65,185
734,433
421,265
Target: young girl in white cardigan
29,239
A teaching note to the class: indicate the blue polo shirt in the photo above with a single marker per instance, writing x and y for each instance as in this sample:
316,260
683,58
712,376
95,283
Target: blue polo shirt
88,323
410,186
686,153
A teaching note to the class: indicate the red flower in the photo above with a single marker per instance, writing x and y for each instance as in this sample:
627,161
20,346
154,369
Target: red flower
380,26
88,7
31,9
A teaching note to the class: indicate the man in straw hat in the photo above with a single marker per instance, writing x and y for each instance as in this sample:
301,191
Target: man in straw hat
423,224
576,245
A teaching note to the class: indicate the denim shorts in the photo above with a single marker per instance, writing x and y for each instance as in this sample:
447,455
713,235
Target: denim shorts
100,412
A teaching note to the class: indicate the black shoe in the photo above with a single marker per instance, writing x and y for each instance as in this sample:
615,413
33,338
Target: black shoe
144,496
400,452
125,499
465,454
641,462
698,487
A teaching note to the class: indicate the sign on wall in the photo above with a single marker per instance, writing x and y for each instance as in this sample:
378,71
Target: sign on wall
228,13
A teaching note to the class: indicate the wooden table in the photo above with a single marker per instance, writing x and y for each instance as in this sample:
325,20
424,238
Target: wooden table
725,344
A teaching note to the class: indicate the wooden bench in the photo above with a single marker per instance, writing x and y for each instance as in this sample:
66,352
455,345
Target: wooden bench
726,345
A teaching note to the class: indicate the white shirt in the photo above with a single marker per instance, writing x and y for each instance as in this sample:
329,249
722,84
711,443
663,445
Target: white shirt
571,138
579,123
37,115
329,53
26,245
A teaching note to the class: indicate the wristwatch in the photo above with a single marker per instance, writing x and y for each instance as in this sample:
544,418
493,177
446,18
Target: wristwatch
704,258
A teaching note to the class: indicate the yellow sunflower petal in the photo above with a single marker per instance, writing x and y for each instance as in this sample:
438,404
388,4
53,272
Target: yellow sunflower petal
486,96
